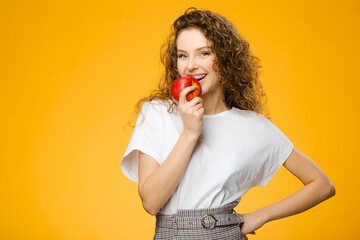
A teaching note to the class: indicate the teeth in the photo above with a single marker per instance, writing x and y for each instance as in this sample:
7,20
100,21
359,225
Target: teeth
198,77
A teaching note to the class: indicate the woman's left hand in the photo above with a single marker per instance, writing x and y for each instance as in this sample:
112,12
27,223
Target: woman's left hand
252,222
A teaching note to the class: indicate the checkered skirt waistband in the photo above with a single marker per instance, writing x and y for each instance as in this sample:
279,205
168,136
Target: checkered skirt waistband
211,223
201,218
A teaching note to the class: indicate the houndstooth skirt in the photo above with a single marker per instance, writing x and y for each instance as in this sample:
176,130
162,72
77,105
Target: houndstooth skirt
206,224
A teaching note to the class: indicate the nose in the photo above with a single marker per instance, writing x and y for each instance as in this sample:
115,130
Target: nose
192,64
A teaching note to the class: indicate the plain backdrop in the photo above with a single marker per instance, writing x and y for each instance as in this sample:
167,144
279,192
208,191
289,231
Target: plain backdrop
72,71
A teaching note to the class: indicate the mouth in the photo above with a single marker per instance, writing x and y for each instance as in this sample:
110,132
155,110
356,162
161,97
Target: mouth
199,76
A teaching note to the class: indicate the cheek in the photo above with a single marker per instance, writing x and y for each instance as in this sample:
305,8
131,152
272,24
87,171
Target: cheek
210,64
180,67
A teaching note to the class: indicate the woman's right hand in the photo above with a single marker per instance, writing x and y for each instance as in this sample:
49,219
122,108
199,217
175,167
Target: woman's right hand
191,112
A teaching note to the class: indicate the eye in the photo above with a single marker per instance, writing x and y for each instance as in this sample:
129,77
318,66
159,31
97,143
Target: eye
181,55
205,53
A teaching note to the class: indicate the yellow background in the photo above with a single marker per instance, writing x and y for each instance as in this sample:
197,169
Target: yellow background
72,71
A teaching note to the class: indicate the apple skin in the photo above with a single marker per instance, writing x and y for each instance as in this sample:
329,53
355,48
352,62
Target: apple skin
179,84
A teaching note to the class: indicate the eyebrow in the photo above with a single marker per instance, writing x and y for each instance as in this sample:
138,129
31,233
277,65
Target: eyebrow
198,49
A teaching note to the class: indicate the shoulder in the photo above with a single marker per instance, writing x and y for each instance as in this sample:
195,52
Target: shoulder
158,105
250,116
154,112
254,121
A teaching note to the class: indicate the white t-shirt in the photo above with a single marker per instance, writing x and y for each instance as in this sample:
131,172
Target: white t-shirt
238,149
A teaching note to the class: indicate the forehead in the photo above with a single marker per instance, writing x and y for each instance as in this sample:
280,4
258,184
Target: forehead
191,38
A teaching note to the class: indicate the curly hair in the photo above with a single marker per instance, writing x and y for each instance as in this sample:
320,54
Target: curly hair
238,68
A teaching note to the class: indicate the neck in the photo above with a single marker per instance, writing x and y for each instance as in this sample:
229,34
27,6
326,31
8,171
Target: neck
214,104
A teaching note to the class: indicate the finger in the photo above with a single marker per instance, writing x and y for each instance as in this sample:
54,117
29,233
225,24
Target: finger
194,102
198,106
201,111
184,92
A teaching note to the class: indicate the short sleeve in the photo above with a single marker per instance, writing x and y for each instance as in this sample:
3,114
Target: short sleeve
277,150
147,137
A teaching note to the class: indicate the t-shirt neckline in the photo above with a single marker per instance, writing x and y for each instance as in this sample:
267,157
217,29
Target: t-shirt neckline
219,114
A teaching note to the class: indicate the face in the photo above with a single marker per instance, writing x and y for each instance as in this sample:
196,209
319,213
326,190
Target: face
195,58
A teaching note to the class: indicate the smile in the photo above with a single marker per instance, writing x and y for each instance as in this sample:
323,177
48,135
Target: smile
199,77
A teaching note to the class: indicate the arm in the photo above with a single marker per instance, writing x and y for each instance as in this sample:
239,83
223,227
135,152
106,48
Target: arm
158,182
317,188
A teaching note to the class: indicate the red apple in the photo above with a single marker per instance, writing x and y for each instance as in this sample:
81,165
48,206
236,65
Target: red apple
183,82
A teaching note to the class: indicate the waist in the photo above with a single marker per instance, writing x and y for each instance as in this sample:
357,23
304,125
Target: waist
208,218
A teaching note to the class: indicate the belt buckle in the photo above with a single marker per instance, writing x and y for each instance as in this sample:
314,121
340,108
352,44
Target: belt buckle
212,226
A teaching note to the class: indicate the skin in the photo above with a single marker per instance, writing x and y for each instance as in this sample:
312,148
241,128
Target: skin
158,182
195,58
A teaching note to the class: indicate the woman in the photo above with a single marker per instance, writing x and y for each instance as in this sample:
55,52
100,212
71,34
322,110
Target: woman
194,160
